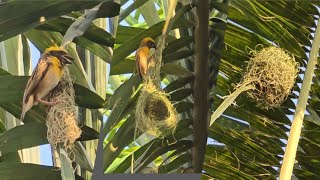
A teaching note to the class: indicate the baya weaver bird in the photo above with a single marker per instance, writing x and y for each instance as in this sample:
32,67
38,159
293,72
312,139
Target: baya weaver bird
45,77
142,55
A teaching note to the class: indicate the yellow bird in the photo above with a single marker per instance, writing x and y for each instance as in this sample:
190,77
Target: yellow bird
142,55
45,77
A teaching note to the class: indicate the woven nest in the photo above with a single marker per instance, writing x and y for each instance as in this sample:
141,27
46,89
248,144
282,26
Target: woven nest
155,113
272,71
62,119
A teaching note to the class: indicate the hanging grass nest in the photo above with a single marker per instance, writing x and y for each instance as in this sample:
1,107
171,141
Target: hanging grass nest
272,72
62,119
269,78
155,113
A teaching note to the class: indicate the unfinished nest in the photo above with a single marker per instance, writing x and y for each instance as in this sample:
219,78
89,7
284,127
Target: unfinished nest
155,113
62,119
272,72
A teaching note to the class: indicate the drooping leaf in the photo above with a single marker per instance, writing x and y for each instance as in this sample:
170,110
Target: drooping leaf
33,134
9,157
93,33
175,69
87,98
66,166
78,27
156,148
175,164
26,171
119,100
26,55
132,7
28,16
81,156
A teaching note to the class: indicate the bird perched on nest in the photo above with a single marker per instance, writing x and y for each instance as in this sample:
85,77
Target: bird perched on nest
45,77
143,54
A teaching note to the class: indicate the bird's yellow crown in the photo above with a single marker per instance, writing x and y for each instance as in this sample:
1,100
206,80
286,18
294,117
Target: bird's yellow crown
146,40
54,48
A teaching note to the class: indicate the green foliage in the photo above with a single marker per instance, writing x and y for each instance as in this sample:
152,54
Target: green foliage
247,142
43,23
172,153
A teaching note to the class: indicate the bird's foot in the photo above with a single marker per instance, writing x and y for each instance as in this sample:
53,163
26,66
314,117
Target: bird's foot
48,103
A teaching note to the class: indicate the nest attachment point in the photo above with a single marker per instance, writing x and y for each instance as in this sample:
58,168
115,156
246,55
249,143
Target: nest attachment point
272,72
62,119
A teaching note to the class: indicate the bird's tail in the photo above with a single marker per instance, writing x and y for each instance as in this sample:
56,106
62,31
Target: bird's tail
23,113
26,107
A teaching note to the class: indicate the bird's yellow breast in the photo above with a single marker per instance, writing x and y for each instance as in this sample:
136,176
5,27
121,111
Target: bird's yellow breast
144,52
56,66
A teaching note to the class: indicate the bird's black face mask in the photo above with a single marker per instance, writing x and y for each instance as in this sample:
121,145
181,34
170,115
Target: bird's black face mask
151,44
62,56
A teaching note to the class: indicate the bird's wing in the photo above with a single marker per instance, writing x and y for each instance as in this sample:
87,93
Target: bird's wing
37,75
141,60
137,62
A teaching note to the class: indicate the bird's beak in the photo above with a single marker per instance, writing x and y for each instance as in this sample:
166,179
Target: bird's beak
67,59
154,46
